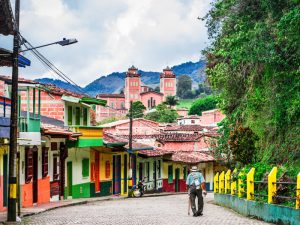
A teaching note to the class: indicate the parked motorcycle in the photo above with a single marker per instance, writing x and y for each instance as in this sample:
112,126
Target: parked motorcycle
139,189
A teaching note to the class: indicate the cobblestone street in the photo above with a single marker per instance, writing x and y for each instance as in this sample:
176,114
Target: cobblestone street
151,210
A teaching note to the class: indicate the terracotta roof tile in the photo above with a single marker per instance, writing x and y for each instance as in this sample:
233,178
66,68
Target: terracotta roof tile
192,157
110,96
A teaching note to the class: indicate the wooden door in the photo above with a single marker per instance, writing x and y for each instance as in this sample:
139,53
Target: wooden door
116,174
35,177
177,179
69,178
125,173
5,179
97,172
154,175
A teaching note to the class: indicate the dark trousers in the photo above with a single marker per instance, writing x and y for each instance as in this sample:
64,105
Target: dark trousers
193,194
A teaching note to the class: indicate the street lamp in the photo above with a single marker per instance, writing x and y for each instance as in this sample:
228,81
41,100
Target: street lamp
63,42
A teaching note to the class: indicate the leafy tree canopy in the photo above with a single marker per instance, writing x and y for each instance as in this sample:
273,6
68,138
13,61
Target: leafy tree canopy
137,110
254,64
184,87
163,114
171,101
203,104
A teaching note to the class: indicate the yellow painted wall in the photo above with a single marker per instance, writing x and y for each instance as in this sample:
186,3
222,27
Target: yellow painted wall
175,166
103,158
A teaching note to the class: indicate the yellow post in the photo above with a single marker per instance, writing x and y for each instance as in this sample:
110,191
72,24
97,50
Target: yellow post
216,183
272,184
222,182
233,183
298,192
250,184
240,184
227,182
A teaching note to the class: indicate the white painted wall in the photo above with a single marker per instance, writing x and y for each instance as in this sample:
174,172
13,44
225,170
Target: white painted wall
76,155
150,181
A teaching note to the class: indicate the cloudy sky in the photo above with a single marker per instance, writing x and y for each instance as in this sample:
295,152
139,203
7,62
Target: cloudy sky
112,35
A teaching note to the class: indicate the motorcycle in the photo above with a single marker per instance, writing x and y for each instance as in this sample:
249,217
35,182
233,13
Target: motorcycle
139,189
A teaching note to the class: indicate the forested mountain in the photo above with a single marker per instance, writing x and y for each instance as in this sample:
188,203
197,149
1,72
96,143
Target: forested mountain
114,82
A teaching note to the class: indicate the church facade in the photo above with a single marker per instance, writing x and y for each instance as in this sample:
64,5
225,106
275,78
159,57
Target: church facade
135,90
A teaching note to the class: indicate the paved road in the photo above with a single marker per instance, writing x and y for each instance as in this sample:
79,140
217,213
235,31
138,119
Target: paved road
163,210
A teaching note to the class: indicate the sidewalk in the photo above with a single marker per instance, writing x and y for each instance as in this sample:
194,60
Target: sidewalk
71,202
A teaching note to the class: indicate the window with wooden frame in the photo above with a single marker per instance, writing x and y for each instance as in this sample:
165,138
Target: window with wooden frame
85,167
159,169
77,116
107,169
85,117
55,168
70,115
148,171
170,174
28,165
45,161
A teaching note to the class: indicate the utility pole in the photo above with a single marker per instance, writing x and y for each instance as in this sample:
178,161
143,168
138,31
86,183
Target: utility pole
12,190
130,148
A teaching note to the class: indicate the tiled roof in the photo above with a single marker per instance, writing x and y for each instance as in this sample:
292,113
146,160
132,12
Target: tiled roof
154,152
110,138
187,128
119,122
154,92
110,96
190,117
60,91
169,137
20,80
192,157
52,126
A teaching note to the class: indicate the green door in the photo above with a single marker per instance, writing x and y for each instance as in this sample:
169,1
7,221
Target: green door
69,179
177,179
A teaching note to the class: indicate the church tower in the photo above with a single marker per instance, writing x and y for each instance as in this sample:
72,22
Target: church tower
132,86
168,82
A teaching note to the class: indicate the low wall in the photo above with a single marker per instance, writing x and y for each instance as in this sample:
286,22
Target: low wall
268,212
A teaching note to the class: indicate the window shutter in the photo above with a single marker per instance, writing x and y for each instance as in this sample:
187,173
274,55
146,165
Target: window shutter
85,167
29,165
45,161
93,171
55,170
170,174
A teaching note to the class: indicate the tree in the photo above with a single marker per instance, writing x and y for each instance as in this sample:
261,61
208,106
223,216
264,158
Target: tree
137,110
157,89
184,84
254,64
163,114
171,101
203,104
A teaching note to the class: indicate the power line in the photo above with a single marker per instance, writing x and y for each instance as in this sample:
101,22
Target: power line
50,65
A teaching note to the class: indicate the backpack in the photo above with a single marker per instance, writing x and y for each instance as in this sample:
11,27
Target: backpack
196,181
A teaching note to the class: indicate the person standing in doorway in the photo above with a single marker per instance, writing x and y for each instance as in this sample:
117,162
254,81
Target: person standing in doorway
196,186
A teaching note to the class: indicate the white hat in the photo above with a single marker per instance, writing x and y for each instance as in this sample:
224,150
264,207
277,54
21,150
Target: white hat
194,169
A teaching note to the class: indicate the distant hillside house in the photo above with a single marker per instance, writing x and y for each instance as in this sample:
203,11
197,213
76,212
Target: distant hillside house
135,90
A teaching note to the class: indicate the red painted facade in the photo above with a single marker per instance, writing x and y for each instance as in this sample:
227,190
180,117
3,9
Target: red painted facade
170,187
51,104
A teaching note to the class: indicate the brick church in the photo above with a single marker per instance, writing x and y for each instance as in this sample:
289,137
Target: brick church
135,90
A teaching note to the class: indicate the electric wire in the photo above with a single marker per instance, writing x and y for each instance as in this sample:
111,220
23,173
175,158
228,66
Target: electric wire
50,65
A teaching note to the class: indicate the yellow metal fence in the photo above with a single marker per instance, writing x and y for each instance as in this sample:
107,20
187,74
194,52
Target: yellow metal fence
224,183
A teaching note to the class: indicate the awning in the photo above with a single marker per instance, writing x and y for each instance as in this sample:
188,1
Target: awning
93,101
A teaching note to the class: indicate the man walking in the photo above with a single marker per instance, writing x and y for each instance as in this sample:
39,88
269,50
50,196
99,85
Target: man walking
196,186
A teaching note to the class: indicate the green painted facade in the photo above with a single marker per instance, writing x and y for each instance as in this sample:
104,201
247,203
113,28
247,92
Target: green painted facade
105,189
79,191
267,212
95,142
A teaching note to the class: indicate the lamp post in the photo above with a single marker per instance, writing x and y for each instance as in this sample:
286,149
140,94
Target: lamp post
63,42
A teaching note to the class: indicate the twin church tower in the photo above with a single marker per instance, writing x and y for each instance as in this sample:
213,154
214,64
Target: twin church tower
135,90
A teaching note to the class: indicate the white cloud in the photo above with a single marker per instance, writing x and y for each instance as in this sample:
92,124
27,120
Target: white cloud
113,34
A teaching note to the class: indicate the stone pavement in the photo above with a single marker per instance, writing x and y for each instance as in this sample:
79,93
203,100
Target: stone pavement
162,210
